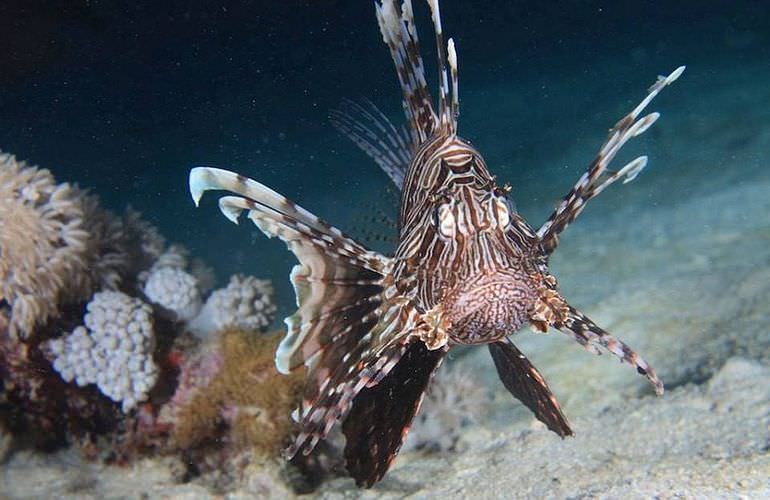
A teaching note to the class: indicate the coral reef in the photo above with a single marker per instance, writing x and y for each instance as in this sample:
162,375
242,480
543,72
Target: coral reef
94,342
245,303
454,400
57,247
114,350
233,396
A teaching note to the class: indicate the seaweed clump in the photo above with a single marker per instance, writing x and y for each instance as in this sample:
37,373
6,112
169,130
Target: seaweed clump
245,405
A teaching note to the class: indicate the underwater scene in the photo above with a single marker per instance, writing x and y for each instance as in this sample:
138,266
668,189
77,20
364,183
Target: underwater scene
483,249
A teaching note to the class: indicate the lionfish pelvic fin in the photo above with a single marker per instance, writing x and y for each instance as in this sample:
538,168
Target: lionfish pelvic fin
525,383
379,420
587,333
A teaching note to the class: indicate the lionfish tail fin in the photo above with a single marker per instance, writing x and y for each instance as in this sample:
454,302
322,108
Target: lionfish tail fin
597,177
525,383
368,127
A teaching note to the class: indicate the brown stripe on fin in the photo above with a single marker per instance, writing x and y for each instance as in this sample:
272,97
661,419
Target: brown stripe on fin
337,281
400,35
597,177
447,122
379,419
526,384
349,364
343,331
586,332
391,148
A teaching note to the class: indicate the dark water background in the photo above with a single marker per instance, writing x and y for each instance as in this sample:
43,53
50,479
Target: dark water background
124,97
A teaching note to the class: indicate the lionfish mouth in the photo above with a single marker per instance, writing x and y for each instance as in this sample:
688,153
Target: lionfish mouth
488,308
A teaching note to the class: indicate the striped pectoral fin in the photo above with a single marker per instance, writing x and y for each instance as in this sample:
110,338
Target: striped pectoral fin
347,366
526,384
204,179
346,334
598,177
337,281
381,415
587,333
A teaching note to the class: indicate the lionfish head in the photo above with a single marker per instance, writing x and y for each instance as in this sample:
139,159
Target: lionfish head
488,283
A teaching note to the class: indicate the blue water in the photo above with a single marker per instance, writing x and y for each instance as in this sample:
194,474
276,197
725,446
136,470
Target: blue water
125,97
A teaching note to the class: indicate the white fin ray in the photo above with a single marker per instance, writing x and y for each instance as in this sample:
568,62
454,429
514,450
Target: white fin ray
371,131
333,271
597,177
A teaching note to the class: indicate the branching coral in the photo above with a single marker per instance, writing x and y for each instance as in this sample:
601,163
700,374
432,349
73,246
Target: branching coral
114,350
452,402
246,303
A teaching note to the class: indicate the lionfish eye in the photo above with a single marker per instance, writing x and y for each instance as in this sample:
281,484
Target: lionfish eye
444,220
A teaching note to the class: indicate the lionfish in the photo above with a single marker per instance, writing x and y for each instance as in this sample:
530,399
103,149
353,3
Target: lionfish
372,329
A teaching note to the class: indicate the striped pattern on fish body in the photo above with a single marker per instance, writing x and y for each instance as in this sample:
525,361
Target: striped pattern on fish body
371,330
457,227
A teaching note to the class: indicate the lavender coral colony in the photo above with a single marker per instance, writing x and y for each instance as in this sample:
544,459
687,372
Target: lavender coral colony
113,340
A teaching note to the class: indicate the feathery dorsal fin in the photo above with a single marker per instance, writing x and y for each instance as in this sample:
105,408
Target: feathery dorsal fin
455,110
446,112
400,34
391,148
